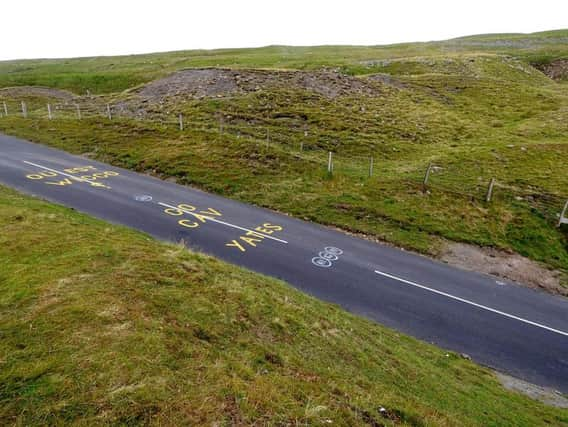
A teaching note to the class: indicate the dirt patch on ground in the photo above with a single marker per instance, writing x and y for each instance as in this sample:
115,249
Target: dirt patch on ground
388,80
36,91
544,395
556,70
506,265
214,82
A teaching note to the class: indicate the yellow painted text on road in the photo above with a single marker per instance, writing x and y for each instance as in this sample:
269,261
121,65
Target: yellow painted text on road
253,238
198,217
86,174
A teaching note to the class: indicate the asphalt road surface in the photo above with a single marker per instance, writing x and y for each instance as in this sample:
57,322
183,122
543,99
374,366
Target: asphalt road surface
499,324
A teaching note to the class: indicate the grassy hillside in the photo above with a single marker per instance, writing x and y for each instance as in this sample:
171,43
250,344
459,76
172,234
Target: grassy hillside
475,107
111,74
102,325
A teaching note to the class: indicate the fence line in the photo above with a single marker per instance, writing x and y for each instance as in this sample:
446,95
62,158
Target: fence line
435,177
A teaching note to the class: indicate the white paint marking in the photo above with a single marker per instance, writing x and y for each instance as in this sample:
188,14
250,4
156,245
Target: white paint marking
520,319
322,262
327,256
223,223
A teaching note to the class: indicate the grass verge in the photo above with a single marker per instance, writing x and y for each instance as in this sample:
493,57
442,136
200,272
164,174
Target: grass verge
103,325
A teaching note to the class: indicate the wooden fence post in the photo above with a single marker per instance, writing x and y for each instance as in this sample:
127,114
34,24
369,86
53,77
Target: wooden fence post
427,175
490,190
563,219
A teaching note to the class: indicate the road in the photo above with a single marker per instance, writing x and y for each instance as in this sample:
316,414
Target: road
513,329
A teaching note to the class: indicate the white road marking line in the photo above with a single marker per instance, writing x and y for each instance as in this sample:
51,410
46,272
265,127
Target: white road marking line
224,223
58,172
520,319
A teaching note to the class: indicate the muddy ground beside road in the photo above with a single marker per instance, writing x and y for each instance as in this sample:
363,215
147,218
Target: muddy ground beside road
504,265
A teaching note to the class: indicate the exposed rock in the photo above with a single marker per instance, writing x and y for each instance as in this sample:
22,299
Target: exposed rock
215,82
33,91
556,70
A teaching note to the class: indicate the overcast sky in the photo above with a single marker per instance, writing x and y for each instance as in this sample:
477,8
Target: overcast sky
68,28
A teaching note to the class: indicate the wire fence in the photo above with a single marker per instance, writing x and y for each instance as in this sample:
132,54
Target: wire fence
308,148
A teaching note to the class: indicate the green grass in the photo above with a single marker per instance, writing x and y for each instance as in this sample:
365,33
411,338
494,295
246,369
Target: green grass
103,325
112,74
474,106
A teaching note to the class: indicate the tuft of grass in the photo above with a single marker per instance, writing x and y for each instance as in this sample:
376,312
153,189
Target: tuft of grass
103,325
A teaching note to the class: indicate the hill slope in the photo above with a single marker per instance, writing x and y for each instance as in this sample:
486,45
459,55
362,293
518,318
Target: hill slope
258,127
102,325
111,74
